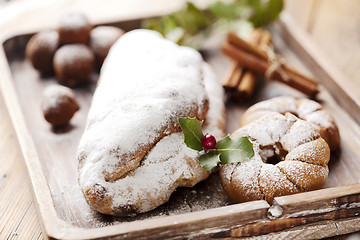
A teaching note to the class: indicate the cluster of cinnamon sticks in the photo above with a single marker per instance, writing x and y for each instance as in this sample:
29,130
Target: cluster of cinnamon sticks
249,57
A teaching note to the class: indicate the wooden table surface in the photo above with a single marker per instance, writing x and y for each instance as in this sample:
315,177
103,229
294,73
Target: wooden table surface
334,25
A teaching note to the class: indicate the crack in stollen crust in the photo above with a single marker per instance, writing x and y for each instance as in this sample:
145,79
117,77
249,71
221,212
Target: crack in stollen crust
130,161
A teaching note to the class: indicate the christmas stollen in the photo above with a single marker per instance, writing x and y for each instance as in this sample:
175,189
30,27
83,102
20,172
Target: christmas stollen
132,154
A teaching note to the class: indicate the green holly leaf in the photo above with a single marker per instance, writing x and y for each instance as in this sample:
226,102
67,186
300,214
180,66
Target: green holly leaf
192,24
264,12
238,149
193,135
209,160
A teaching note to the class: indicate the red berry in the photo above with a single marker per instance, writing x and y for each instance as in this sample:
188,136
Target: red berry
209,141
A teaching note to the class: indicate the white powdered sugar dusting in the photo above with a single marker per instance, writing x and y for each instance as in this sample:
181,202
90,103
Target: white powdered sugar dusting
304,175
307,106
278,104
150,184
102,37
71,54
268,129
72,21
48,39
305,109
300,132
271,135
312,152
274,183
52,96
246,175
133,103
319,118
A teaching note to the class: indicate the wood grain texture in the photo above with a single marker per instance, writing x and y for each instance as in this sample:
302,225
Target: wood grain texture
339,36
18,218
302,11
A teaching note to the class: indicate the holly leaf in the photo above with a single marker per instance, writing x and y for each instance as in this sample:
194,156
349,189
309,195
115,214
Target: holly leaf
192,24
209,160
238,149
193,135
264,12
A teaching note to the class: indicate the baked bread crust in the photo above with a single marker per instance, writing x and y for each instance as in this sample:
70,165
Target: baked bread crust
303,108
132,154
302,153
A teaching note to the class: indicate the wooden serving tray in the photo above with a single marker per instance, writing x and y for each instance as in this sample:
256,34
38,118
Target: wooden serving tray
200,212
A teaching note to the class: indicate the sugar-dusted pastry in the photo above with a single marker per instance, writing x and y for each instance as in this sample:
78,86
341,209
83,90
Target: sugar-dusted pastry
101,40
132,155
74,27
59,105
73,64
306,109
290,157
41,48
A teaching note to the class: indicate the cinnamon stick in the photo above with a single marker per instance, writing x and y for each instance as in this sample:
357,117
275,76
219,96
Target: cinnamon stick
260,65
234,39
257,60
248,83
232,80
240,83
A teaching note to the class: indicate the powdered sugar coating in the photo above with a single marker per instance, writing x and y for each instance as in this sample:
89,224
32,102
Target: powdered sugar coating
312,152
73,21
53,96
136,107
293,141
73,27
41,48
303,108
72,54
305,176
165,87
101,40
103,37
242,179
299,133
273,183
307,106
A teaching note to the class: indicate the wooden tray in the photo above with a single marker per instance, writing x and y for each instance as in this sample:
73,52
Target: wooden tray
200,212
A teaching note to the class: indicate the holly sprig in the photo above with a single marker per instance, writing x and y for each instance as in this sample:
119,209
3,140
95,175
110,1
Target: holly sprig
227,150
191,25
